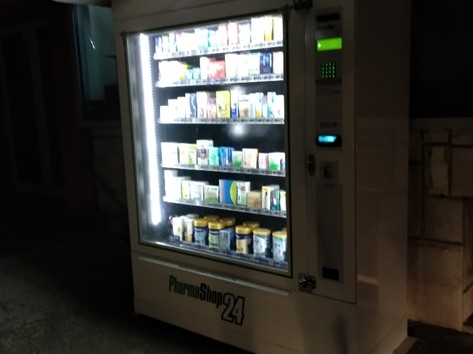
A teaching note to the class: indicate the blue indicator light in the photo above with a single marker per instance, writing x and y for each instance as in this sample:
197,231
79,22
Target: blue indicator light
328,140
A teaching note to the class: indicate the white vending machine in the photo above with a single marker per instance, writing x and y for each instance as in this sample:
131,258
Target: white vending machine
266,149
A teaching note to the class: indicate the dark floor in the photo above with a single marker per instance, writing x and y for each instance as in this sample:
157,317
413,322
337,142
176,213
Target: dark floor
66,287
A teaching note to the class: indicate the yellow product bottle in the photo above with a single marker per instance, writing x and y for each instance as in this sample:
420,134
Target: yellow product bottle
252,224
227,234
244,239
228,221
211,217
279,245
262,242
214,233
201,232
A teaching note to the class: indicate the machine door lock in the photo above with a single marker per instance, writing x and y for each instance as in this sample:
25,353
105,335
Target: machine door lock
306,283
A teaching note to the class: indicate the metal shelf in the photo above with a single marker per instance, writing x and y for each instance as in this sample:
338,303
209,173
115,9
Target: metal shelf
268,121
221,81
217,50
236,208
240,170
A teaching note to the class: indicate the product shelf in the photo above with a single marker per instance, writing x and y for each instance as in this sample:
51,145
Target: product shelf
235,208
225,254
221,81
268,121
222,169
217,50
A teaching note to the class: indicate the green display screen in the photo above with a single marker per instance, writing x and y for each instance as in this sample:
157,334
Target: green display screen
326,44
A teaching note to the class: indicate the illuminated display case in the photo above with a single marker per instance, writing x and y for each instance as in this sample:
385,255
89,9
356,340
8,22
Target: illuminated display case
211,139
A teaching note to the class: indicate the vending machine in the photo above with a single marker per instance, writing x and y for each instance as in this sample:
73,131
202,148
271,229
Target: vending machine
266,161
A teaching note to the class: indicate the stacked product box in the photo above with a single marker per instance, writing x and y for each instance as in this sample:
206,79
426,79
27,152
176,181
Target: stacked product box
250,157
170,153
277,161
197,190
242,187
231,66
173,184
253,199
187,154
223,104
255,31
227,192
237,158
270,197
204,153
225,154
203,147
233,191
211,194
202,98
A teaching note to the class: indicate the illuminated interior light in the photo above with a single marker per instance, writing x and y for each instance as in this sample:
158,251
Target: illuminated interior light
238,130
150,129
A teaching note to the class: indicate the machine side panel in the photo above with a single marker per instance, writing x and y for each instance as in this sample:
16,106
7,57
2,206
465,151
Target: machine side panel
382,134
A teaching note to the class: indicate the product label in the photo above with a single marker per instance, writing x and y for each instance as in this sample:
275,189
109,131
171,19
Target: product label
233,307
214,236
261,245
201,235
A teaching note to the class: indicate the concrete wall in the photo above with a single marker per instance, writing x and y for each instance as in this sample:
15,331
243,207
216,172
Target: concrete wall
440,252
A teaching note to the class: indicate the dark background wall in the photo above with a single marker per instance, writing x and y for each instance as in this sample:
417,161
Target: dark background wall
43,149
442,56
